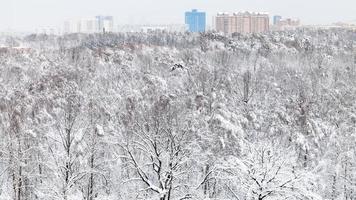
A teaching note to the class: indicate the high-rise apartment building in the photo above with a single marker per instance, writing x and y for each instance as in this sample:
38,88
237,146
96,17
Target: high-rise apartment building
196,21
72,26
87,25
223,22
105,23
242,22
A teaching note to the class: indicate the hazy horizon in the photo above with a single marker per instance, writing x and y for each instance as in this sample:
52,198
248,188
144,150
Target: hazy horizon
27,15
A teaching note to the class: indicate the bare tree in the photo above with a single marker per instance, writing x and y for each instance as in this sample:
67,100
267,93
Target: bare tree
264,173
157,151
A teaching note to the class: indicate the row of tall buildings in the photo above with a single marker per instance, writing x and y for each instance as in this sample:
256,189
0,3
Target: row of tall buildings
89,25
195,21
100,24
240,22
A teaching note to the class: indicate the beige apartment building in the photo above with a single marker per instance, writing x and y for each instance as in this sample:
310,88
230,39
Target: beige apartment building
242,22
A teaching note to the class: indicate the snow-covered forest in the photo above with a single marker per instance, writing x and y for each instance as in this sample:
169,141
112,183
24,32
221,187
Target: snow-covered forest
178,116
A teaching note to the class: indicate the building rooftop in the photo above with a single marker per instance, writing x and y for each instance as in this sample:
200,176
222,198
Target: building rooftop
242,13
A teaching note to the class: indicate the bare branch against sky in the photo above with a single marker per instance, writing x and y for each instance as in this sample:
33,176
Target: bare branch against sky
29,14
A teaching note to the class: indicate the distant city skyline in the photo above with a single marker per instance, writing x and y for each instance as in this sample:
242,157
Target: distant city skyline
28,15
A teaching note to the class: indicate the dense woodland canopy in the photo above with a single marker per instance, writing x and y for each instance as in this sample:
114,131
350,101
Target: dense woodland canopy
178,116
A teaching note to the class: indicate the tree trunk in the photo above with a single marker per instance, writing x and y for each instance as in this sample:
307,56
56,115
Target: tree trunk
19,184
206,184
91,179
333,188
246,81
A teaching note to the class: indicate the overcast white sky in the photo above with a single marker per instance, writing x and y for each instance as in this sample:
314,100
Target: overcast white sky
31,14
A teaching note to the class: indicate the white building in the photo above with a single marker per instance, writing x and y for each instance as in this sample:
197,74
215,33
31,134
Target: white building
96,24
70,26
150,27
105,23
88,25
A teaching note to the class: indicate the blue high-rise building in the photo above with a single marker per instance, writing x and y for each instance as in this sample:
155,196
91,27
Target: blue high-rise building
195,20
